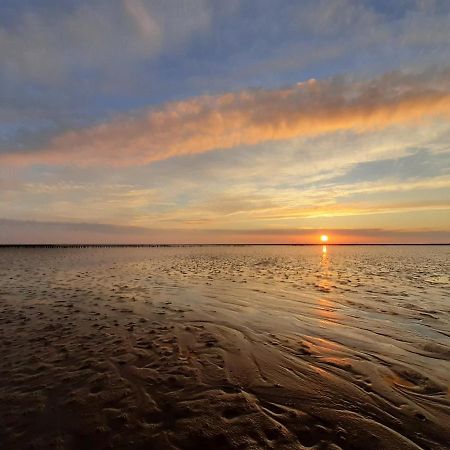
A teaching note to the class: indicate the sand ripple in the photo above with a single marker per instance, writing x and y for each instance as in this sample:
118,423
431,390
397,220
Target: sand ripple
225,347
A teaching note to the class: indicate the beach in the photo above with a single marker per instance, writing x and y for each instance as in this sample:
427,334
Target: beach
240,347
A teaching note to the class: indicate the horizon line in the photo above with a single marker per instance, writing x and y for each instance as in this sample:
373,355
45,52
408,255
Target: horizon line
218,244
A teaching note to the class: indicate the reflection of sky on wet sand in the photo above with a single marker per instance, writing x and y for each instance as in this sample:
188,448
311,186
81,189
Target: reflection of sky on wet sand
382,311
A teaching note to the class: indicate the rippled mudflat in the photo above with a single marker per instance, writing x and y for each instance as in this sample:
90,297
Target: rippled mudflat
225,347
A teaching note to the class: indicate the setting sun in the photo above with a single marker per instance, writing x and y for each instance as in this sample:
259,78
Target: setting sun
324,238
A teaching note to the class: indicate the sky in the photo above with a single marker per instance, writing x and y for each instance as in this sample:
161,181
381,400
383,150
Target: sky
238,121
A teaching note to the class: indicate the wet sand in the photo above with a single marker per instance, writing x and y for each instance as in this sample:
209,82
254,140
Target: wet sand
225,347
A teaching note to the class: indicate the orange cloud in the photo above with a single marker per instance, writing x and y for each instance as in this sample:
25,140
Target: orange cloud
249,117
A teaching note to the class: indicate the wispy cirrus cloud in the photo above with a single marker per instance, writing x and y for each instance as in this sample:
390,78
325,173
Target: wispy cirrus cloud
250,117
50,44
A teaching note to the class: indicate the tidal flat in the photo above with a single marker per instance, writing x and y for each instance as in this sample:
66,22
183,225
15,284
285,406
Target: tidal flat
240,347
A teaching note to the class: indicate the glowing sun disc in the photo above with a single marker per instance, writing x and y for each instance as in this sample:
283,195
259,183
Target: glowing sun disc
324,238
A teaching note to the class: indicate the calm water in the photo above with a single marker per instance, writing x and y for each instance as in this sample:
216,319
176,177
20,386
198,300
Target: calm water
365,319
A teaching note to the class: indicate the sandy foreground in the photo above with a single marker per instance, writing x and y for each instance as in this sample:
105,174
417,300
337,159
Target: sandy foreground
221,348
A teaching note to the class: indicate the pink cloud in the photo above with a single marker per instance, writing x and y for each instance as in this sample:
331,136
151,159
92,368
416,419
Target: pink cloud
250,117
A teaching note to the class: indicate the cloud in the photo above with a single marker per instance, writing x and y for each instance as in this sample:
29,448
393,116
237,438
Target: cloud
49,44
304,210
249,117
146,23
35,232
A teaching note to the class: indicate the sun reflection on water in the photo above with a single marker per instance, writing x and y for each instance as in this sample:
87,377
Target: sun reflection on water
326,309
324,282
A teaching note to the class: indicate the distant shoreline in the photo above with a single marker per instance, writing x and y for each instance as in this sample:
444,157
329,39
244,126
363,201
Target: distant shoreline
210,245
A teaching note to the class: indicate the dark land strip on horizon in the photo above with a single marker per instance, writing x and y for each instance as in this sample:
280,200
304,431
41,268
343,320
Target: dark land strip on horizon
215,245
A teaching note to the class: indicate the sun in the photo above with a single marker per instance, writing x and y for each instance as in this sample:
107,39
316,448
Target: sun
324,238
